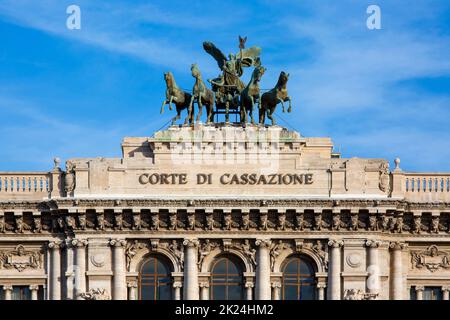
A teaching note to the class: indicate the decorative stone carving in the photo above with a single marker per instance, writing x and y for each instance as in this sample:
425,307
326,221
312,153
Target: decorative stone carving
433,259
384,183
353,260
37,228
248,251
373,226
275,251
100,221
299,221
98,260
227,221
209,221
434,227
337,223
205,249
417,227
384,223
95,294
155,221
191,221
82,220
136,220
319,249
2,224
118,220
131,249
357,294
69,177
173,221
263,221
178,250
20,259
19,224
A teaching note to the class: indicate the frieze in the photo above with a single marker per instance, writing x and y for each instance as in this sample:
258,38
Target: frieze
432,259
21,259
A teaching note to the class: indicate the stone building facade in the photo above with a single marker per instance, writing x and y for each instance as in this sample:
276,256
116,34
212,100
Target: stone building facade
225,212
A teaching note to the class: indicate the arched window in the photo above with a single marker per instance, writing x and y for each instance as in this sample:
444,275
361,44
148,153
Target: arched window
155,281
226,279
298,279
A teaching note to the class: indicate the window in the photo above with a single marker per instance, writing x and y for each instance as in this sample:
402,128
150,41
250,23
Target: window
155,282
429,293
299,282
21,293
226,279
432,293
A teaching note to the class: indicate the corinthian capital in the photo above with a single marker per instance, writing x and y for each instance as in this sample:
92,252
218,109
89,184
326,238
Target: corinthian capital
55,244
117,242
79,243
263,243
373,243
397,245
191,243
335,243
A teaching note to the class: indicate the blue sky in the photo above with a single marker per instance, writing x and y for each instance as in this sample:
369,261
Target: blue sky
77,93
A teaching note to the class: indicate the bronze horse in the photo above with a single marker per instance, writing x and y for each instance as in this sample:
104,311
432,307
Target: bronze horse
251,95
271,98
202,95
178,96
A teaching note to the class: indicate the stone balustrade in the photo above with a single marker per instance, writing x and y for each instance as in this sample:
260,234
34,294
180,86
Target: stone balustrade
24,184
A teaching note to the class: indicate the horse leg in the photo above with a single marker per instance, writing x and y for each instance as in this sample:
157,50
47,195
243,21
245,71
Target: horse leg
162,107
270,115
170,103
190,115
282,104
200,109
251,110
243,111
227,108
290,104
177,117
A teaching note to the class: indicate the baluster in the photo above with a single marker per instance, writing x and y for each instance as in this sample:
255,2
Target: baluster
34,184
1,184
41,184
407,184
412,184
47,184
424,186
448,184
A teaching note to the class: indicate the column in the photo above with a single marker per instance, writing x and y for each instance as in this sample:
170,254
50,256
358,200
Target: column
334,272
419,292
132,285
34,292
373,281
191,289
204,290
8,291
249,286
445,292
119,278
55,270
80,267
177,285
321,291
69,270
263,291
276,290
397,270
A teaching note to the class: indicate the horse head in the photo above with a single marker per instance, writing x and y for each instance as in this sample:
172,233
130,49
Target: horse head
168,77
194,70
283,79
258,73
